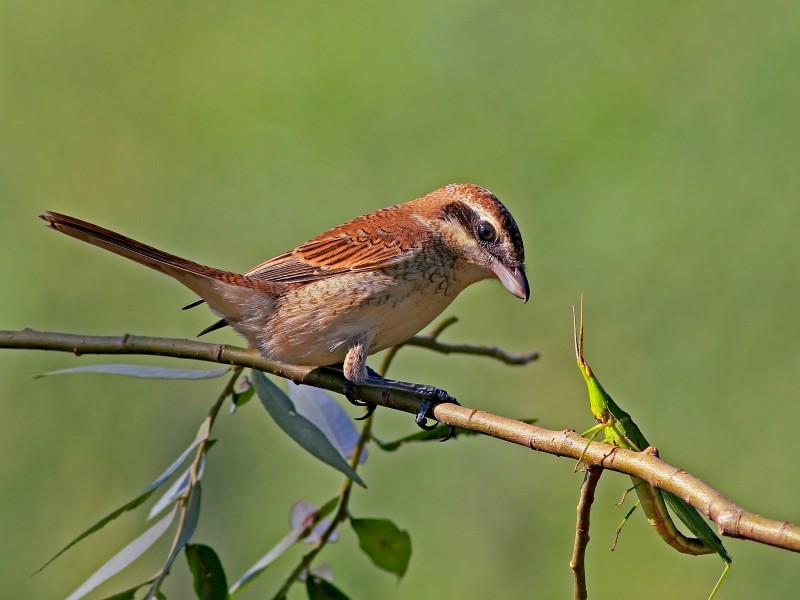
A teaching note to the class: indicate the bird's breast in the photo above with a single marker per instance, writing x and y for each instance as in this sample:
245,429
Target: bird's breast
316,323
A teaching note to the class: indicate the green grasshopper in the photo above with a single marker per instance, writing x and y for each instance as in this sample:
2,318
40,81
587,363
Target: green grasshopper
621,431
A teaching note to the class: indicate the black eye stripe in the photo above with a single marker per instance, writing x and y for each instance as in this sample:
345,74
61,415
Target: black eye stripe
508,225
462,214
469,219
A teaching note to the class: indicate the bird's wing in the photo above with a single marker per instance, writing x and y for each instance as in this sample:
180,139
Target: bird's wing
370,242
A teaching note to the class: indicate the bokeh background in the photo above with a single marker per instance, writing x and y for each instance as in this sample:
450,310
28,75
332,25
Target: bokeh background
650,153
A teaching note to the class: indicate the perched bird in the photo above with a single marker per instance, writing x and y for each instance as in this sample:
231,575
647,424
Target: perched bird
357,289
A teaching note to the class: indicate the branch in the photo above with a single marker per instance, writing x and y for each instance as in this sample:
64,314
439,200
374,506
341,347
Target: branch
732,520
577,563
430,341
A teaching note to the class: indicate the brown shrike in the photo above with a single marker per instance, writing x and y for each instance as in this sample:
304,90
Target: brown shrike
355,290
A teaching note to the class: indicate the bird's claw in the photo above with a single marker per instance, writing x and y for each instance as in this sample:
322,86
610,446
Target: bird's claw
425,411
433,396
350,391
370,409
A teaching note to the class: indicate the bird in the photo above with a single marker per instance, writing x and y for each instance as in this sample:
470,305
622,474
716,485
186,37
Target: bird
359,288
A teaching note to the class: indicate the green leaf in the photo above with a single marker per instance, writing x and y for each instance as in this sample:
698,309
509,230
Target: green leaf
328,507
127,594
243,397
160,480
388,546
297,427
319,589
208,575
142,371
124,557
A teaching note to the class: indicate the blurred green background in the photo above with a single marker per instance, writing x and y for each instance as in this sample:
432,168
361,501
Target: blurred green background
650,153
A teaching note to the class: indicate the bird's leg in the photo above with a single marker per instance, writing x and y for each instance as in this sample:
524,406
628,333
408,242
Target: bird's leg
356,372
370,406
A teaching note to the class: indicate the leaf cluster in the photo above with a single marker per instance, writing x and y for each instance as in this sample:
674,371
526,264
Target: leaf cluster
308,416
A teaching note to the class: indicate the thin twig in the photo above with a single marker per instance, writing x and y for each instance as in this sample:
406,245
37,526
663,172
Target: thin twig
733,521
578,563
431,341
490,351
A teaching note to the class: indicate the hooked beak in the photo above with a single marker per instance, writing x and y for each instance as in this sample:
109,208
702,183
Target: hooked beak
513,280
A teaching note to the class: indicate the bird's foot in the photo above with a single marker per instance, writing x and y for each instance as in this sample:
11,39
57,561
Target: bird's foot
431,397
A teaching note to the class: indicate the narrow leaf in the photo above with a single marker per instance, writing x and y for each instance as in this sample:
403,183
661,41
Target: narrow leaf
242,395
129,594
426,435
177,489
387,546
201,436
328,507
142,371
322,410
124,557
185,533
319,589
283,545
265,561
126,595
207,573
297,427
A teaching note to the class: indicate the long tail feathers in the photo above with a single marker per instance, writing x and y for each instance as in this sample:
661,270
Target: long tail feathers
137,251
223,290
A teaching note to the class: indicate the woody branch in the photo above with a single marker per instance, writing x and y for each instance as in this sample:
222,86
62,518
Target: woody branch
732,520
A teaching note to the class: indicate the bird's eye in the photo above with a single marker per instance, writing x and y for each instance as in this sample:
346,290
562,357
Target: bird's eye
486,232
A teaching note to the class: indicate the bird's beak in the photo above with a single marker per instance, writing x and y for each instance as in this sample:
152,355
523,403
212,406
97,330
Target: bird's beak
513,280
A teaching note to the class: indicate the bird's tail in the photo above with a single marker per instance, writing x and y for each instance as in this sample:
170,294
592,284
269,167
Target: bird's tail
226,292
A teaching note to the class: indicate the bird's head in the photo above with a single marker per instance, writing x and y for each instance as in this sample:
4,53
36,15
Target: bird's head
481,230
